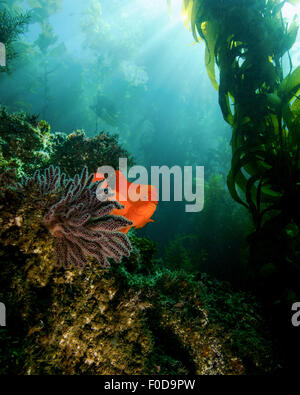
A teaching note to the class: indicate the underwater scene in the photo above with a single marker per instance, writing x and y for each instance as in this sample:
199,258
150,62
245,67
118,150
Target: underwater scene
149,187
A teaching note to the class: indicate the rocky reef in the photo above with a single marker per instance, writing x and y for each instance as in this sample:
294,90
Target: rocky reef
27,145
136,317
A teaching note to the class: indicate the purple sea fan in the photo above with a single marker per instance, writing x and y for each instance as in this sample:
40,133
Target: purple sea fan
80,220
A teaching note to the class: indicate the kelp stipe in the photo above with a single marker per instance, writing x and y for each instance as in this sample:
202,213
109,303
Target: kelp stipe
247,40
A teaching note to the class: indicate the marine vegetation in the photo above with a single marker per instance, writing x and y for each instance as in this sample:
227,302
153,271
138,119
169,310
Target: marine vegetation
24,142
27,144
137,317
70,309
249,42
261,105
12,25
29,198
99,150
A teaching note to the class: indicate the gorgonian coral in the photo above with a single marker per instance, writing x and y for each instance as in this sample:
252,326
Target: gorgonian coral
79,220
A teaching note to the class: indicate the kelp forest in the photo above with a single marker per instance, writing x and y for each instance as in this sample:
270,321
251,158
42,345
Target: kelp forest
149,187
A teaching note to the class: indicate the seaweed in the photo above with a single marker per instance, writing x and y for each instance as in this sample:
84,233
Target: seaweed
12,25
261,104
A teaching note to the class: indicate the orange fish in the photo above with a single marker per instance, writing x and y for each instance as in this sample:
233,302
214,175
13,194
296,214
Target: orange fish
139,201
